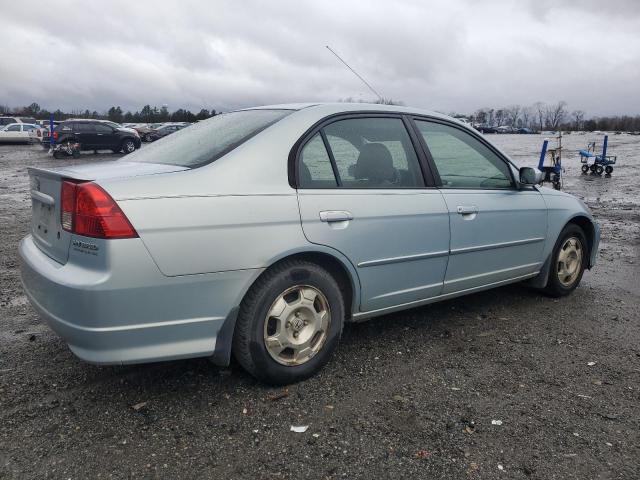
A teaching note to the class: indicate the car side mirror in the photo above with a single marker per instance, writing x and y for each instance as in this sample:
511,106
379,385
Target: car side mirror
530,176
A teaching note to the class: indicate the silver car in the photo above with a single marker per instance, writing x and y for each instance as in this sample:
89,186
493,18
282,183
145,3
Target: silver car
260,232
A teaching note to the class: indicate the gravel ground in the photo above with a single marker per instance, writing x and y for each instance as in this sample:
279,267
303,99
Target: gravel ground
500,384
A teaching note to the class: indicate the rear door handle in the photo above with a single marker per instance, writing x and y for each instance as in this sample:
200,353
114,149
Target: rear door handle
467,209
335,216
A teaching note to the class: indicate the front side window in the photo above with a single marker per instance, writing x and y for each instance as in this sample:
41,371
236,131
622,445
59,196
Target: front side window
462,160
13,128
372,153
208,140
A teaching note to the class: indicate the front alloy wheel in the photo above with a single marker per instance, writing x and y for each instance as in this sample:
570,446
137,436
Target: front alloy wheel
128,146
569,261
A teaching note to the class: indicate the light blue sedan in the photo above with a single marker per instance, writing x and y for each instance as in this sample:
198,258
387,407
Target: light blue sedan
261,232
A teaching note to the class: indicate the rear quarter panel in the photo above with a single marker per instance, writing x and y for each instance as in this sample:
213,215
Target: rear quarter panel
191,235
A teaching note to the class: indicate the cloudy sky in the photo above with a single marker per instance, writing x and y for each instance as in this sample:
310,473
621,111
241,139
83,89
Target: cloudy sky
454,55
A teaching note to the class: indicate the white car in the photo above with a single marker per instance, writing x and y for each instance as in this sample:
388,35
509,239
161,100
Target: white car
20,132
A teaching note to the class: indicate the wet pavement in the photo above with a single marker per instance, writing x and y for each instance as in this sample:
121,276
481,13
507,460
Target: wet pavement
500,384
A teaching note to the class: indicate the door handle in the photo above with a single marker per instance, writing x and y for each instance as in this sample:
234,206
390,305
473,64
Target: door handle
467,209
335,216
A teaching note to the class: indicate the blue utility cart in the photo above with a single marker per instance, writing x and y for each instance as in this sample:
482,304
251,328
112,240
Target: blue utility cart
601,162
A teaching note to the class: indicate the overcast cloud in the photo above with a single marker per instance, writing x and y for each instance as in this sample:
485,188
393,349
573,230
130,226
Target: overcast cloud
441,55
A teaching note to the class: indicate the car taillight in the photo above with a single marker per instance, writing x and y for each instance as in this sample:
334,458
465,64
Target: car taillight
55,135
86,209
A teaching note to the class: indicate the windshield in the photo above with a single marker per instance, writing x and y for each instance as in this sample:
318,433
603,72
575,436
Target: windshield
208,140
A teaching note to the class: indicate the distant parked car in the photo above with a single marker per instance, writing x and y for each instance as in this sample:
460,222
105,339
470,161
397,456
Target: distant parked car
97,135
4,121
144,130
262,231
164,130
525,130
20,133
486,129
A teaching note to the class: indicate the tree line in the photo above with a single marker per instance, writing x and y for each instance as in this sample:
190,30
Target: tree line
555,116
147,114
539,116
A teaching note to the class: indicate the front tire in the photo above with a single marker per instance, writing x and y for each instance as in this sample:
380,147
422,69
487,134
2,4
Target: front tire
569,259
290,323
128,146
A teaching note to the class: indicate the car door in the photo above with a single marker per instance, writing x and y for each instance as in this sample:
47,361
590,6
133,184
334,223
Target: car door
86,134
105,136
497,230
361,191
14,133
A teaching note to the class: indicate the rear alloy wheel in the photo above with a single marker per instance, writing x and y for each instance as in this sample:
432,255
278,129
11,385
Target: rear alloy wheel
128,146
148,138
296,325
290,323
569,259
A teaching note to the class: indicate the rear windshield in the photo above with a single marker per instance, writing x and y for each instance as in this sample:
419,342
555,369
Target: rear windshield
206,141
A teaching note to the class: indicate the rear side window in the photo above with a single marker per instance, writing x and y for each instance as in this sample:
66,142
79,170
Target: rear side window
208,140
13,128
315,165
100,128
84,128
367,153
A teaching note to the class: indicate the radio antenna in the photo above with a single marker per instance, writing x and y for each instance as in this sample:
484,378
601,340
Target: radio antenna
355,73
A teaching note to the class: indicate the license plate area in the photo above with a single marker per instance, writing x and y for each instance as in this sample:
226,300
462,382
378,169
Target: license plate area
44,224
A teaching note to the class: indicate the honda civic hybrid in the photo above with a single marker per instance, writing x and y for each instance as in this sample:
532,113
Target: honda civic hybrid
259,233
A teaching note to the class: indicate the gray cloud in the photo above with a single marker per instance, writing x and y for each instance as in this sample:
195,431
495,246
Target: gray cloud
450,56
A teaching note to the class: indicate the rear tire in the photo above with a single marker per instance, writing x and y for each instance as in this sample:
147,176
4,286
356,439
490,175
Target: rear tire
148,138
599,169
290,323
608,169
585,168
568,261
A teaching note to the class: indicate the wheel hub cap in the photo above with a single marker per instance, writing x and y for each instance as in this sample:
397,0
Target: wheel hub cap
296,325
569,261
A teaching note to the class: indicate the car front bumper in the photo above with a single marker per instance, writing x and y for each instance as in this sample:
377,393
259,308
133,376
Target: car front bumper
130,312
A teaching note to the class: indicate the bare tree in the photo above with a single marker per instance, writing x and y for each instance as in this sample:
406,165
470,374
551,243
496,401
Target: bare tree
500,116
555,114
490,118
539,109
578,119
480,116
526,116
512,114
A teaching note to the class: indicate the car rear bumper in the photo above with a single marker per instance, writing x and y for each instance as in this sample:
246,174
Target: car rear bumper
132,313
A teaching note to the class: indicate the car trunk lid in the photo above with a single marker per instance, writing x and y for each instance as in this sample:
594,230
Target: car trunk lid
46,226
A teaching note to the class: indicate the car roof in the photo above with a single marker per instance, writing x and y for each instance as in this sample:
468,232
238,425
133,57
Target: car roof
345,107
